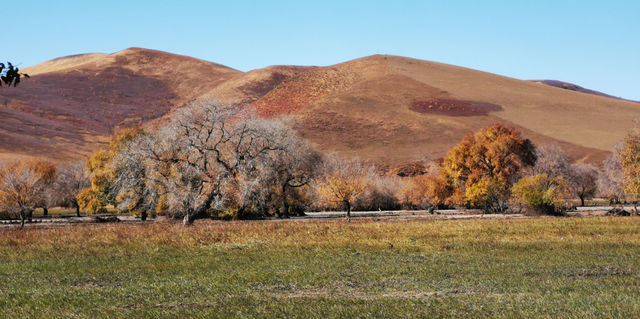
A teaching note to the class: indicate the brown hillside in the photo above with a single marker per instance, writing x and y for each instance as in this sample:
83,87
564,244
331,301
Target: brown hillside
390,110
71,104
393,110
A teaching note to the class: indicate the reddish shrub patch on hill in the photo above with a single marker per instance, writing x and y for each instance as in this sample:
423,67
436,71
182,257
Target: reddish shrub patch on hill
453,107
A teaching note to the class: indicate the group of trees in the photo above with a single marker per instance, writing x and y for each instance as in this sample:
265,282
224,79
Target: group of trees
495,169
221,161
30,184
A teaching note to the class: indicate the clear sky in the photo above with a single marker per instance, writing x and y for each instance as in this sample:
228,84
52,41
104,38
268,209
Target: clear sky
595,44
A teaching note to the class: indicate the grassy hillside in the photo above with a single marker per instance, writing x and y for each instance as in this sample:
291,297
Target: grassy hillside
544,268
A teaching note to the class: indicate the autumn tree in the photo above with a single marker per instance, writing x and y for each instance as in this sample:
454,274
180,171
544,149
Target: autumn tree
48,172
343,182
482,168
102,171
542,193
72,178
630,162
426,191
611,177
582,181
20,189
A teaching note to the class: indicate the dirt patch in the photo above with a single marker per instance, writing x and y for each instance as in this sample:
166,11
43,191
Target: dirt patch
453,107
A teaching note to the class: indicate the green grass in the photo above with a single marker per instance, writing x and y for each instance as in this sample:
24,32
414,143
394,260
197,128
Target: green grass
544,267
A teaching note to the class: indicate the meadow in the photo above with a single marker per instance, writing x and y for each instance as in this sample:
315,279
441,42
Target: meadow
541,267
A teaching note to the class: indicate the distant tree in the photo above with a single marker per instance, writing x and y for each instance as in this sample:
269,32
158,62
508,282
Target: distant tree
10,74
550,160
611,177
583,180
541,193
343,182
482,168
20,189
383,193
71,179
47,171
426,191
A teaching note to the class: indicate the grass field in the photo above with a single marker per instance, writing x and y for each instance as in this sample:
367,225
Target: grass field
543,267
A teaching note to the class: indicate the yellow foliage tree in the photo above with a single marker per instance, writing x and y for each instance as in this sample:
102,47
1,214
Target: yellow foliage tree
484,165
630,160
343,182
100,194
542,193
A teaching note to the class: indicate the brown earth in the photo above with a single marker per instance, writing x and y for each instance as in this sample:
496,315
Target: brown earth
389,110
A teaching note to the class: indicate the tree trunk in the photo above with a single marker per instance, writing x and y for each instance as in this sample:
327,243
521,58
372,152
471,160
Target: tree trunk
77,210
191,216
348,210
285,204
45,211
143,215
581,201
22,218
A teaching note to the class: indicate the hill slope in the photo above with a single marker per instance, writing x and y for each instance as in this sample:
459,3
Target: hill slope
386,109
394,110
71,104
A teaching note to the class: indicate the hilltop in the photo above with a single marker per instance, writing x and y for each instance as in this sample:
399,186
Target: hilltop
70,105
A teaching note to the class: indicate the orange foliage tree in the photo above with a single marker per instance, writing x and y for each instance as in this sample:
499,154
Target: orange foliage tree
482,168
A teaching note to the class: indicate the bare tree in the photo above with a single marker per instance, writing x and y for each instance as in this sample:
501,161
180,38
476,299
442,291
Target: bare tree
583,181
134,187
551,160
611,176
71,179
290,167
212,156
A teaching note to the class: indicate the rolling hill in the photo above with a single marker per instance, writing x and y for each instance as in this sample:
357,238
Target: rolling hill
70,105
389,110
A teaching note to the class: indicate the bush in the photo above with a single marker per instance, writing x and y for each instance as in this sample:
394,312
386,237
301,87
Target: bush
541,194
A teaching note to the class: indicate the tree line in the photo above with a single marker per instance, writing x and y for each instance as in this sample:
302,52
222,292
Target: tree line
213,160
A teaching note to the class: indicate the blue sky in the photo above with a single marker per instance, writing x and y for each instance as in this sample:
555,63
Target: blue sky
595,44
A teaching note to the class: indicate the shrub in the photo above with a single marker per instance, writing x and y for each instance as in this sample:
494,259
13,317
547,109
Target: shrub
540,193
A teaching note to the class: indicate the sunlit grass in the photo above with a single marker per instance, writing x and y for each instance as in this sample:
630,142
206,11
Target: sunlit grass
544,267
